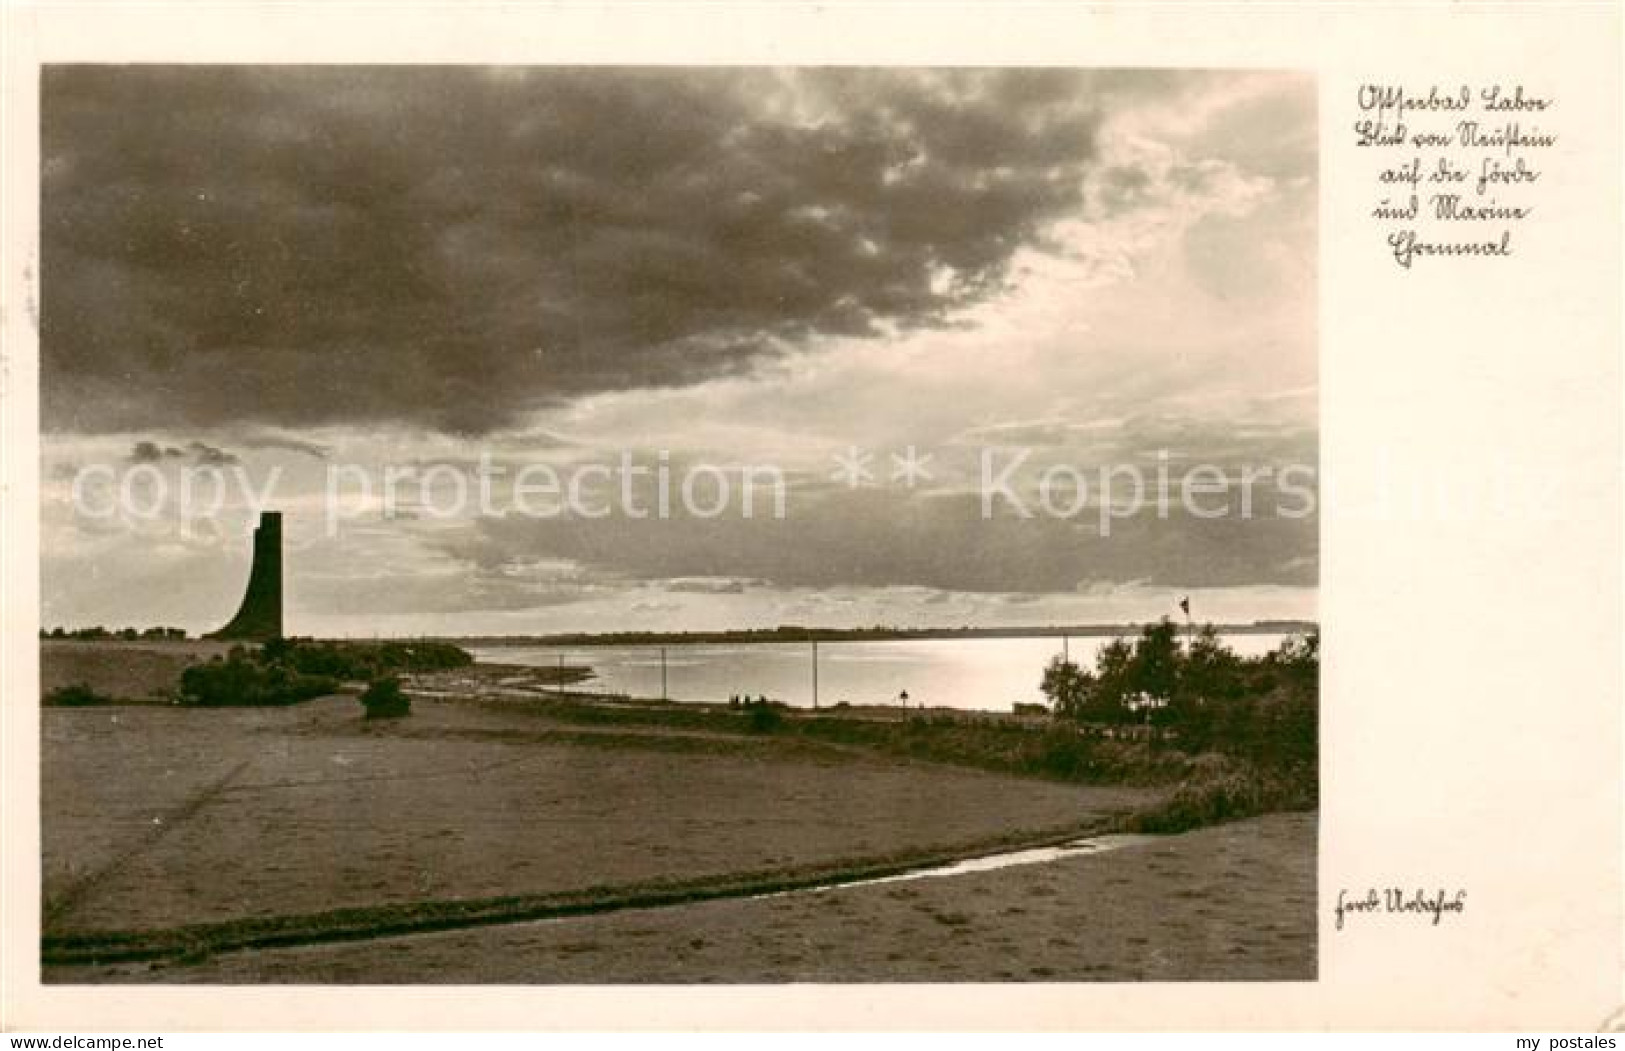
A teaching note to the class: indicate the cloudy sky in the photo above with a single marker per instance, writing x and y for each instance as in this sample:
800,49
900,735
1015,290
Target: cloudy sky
292,276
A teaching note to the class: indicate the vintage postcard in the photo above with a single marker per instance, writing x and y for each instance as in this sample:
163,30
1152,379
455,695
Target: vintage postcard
744,517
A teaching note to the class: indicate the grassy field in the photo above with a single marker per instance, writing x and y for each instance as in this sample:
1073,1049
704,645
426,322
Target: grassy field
237,844
1234,902
161,817
131,671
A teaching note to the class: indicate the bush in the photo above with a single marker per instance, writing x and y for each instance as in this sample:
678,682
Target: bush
241,681
1231,796
383,699
1066,757
363,660
764,718
75,696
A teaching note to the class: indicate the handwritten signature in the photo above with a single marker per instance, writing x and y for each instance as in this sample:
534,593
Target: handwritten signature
1419,903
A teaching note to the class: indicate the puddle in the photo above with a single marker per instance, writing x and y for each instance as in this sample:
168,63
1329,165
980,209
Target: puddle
992,862
966,866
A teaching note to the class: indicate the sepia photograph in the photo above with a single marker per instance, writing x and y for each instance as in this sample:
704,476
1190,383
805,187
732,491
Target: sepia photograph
550,525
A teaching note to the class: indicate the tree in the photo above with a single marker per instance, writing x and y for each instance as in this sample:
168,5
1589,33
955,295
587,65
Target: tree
1151,670
1211,683
1297,662
1131,674
1157,662
1114,683
1067,687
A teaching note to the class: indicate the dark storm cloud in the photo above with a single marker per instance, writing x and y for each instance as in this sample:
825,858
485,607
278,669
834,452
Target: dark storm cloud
448,248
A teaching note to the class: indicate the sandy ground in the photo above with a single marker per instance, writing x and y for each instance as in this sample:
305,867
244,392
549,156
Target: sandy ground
158,817
1236,902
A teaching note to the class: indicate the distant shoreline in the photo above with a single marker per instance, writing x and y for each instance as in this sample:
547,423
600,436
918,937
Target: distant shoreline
208,647
798,634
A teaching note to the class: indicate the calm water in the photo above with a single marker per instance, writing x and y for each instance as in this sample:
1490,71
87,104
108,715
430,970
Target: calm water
990,674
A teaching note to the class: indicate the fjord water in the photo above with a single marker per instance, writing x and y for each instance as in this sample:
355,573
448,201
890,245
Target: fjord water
989,674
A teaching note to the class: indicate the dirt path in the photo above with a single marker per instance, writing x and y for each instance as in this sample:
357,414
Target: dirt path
69,893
